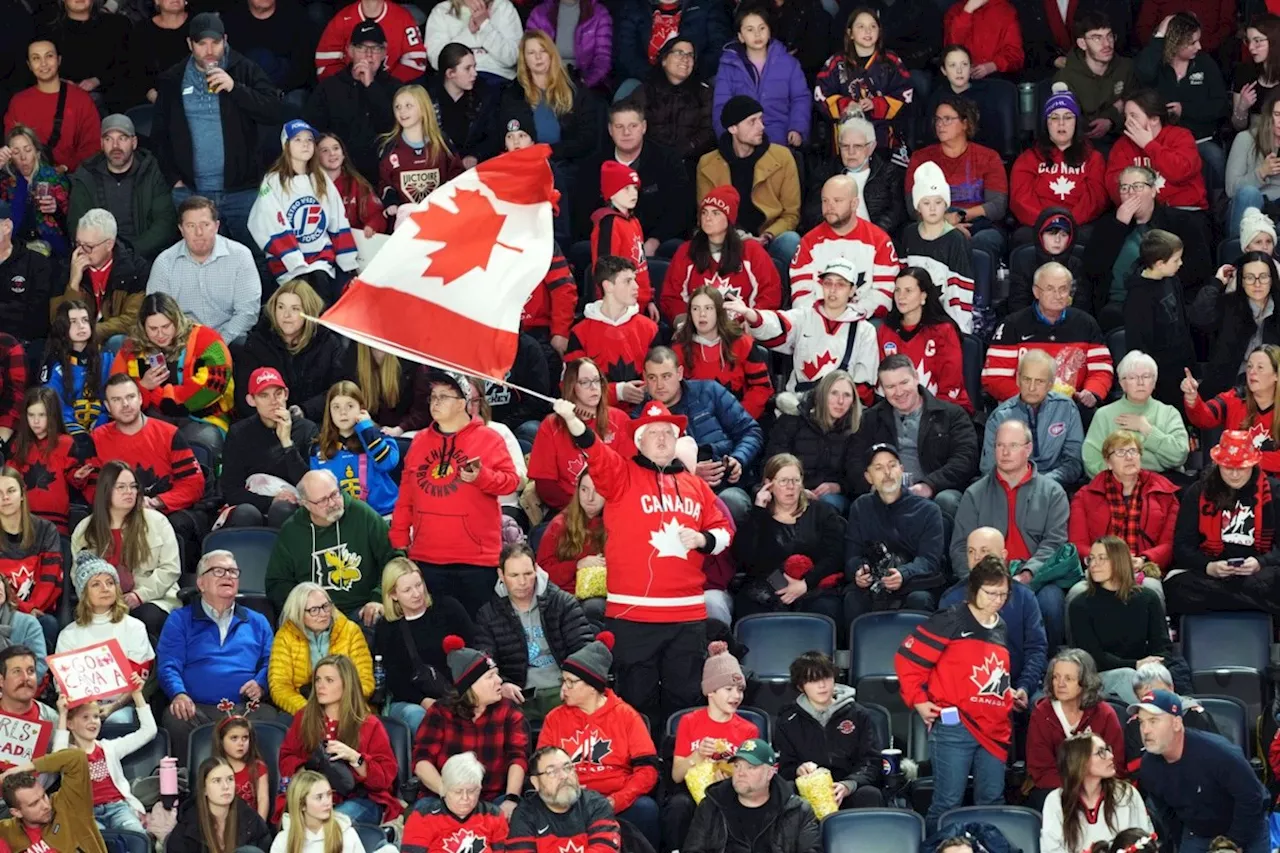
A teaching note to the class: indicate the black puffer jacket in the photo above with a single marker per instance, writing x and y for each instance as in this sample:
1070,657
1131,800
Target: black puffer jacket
1229,317
884,193
793,828
251,830
499,632
309,373
678,117
947,442
847,745
830,457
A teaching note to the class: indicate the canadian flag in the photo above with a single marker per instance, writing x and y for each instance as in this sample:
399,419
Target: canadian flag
448,287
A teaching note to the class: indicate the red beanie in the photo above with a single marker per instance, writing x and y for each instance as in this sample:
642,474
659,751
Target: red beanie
615,177
726,200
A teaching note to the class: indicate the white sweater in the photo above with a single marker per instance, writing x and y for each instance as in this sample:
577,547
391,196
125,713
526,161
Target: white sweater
314,842
115,749
129,631
495,44
1130,812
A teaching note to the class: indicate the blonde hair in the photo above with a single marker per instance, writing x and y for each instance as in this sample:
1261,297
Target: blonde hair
295,605
84,610
559,91
380,382
431,133
295,800
312,306
395,569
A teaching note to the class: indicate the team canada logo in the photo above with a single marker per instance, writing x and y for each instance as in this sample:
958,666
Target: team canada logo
465,841
1237,525
990,678
588,747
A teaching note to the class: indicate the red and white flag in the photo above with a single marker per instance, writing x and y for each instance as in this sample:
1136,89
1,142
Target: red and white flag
448,287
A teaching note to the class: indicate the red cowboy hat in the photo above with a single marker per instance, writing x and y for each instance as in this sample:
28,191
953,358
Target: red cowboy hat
1235,450
654,412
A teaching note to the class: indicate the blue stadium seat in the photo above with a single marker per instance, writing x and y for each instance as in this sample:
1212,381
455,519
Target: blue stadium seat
774,640
1228,654
880,719
873,641
973,358
269,736
1229,715
763,724
145,761
252,547
1020,826
657,274
873,831
1116,344
402,745
984,275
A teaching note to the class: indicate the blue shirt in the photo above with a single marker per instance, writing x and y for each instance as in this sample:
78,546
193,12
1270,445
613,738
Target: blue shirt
546,123
204,119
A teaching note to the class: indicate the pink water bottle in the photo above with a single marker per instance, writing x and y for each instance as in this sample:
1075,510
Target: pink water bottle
169,782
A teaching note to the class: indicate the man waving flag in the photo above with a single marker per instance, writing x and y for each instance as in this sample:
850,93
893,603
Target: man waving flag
448,287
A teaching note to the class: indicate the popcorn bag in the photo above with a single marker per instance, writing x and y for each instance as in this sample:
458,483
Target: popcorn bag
702,775
590,583
815,788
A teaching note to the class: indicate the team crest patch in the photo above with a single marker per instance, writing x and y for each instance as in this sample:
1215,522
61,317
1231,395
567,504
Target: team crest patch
307,219
845,727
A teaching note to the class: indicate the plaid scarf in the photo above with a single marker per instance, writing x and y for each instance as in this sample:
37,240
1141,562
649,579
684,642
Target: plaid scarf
1211,520
1126,513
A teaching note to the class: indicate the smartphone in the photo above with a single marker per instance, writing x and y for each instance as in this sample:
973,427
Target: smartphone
1235,562
155,360
778,580
472,464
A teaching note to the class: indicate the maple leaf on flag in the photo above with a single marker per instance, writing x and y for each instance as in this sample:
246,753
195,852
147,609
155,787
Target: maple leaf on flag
468,235
666,540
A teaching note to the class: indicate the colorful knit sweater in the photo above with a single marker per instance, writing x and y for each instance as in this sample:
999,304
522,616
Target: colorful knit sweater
200,384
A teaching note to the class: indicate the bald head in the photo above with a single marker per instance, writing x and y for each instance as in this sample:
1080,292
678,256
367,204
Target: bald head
840,203
985,542
319,493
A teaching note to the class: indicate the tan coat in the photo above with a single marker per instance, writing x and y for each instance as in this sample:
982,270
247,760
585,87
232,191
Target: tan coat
73,829
775,186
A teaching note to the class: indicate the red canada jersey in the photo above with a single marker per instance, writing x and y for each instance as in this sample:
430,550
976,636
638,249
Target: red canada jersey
406,56
1174,158
937,354
434,829
755,282
618,347
616,233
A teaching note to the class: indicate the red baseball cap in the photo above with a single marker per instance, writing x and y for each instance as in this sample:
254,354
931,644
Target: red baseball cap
264,378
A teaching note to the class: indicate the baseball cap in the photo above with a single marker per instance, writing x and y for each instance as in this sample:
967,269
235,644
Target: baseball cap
878,448
841,267
119,122
756,751
293,128
206,25
264,378
1158,702
368,32
1057,223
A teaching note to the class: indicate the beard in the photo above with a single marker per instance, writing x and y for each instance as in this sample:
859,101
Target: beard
565,796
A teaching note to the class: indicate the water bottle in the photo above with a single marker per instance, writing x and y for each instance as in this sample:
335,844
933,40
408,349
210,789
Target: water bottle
169,782
379,682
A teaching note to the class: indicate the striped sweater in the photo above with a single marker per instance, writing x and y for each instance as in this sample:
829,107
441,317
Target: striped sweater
200,383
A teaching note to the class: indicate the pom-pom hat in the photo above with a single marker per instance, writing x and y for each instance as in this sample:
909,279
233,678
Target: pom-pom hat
465,665
1061,99
721,669
87,565
593,661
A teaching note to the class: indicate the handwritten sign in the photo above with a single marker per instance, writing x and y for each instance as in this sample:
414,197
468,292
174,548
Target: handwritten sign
22,741
92,673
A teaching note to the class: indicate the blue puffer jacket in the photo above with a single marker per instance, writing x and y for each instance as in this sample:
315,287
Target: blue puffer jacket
191,660
1058,449
780,88
705,23
1028,646
716,421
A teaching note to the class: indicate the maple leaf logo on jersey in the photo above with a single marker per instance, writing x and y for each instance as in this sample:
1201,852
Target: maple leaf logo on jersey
621,371
1062,186
666,540
811,369
926,378
720,283
587,747
468,234
1159,182
23,580
571,847
465,841
38,477
990,678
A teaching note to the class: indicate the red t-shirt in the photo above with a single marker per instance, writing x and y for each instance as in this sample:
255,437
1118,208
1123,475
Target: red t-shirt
247,783
698,724
104,790
38,844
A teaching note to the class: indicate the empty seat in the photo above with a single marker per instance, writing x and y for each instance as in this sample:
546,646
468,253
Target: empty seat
145,761
371,837
130,842
880,719
971,348
873,641
774,640
252,547
1229,715
873,831
402,745
1228,654
1020,826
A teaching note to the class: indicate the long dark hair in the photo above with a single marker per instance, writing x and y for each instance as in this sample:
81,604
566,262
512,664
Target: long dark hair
134,550
24,439
850,51
1217,493
1269,25
730,252
1075,153
61,351
230,829
728,328
933,313
1236,303
1074,755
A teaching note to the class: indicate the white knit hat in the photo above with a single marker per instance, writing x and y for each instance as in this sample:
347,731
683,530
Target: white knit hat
928,182
1253,223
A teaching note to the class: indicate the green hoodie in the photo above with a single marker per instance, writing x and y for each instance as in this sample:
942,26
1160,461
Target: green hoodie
346,558
1097,95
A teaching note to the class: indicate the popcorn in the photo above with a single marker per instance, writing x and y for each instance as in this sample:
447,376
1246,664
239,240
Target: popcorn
590,583
816,789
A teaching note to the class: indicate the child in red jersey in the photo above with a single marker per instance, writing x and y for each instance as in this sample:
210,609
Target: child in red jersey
712,345
616,231
415,156
235,742
363,209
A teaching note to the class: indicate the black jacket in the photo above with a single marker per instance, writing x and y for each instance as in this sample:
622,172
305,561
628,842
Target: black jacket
580,128
155,221
1155,321
884,192
666,195
847,746
251,829
308,374
343,105
253,101
26,284
1229,318
762,545
499,632
832,457
678,117
947,443
253,448
530,370
793,828
806,30
1108,238
481,138
912,29
98,48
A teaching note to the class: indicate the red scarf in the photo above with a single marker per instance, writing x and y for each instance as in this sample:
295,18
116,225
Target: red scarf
1211,521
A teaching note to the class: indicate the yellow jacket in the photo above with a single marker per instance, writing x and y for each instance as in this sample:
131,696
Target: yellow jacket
290,666
775,186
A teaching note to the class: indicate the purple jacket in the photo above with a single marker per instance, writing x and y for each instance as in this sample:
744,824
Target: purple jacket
780,89
592,41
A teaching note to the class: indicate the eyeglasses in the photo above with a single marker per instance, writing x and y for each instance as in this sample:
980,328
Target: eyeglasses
88,247
1125,189
1260,278
570,682
590,383
223,572
368,49
1100,38
1096,558
854,147
333,497
1127,453
681,54
1103,751
946,119
789,481
126,487
468,793
1006,447
441,398
319,609
998,596
1257,41
558,772
1140,377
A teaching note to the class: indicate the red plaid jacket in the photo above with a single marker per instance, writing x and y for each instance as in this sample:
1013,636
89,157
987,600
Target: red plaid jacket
498,738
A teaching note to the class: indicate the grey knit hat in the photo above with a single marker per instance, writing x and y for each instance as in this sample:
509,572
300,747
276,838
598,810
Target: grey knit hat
87,565
466,665
593,661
